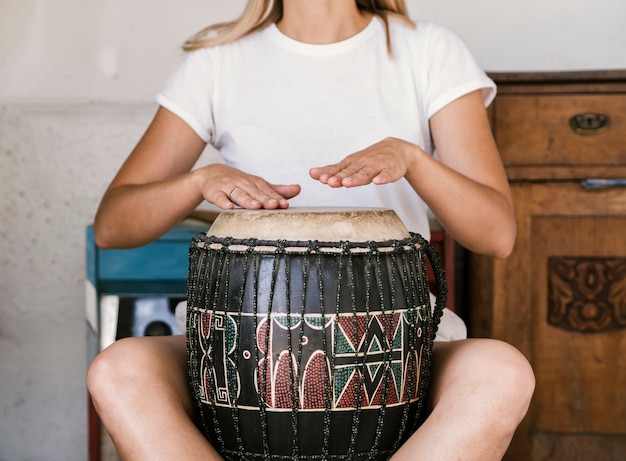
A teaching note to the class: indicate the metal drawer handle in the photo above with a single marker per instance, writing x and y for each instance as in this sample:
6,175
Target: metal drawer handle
589,124
594,184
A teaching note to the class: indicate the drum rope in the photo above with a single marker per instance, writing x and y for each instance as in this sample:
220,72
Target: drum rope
440,279
413,337
357,396
264,369
232,382
314,249
210,296
293,379
387,359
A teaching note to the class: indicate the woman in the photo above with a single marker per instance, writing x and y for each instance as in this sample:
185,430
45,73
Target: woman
292,85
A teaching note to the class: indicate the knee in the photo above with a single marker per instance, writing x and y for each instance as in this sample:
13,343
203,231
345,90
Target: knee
129,365
509,381
494,380
111,367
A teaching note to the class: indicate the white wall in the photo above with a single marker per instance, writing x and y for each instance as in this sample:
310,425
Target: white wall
536,35
72,50
77,78
85,50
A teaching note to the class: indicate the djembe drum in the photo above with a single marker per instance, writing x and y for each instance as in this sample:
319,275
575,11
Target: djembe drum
309,333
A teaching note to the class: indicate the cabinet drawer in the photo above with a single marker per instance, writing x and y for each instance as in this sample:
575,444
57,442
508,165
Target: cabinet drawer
537,129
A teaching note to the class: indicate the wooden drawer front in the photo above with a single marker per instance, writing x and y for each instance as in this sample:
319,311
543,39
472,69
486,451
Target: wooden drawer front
535,130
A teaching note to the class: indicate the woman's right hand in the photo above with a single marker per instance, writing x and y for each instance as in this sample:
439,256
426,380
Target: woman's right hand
156,187
225,187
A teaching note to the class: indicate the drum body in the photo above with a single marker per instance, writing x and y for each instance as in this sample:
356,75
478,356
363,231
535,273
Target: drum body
309,349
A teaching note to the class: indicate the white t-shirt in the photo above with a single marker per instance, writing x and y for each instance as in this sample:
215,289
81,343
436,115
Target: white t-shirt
275,107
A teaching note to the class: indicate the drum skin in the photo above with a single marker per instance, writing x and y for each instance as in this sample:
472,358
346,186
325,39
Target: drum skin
310,349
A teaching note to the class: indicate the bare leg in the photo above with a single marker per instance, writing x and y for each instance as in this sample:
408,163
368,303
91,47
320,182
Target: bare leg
140,389
480,392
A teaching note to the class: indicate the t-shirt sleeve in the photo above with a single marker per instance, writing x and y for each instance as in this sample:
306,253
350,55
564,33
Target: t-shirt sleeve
453,71
187,94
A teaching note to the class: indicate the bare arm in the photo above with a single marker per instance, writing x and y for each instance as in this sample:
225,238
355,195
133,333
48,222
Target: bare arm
467,190
155,188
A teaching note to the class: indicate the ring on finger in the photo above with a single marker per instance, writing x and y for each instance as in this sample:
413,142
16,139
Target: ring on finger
232,191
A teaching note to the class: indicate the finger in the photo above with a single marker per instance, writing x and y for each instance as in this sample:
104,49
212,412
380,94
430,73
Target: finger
232,191
360,178
267,195
335,178
384,177
276,195
222,201
323,173
239,196
287,191
351,176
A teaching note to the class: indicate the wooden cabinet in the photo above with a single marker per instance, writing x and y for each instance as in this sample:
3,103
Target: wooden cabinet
561,296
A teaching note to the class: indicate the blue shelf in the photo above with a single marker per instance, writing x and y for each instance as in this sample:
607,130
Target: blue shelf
157,268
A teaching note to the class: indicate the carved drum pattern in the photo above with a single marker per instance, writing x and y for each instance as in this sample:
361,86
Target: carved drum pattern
309,349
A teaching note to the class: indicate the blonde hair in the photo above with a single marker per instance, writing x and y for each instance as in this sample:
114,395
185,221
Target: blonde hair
261,13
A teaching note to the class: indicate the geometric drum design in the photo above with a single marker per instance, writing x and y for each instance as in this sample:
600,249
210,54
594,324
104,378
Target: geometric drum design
375,335
309,350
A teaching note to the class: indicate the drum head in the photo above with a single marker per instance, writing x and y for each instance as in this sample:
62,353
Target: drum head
303,224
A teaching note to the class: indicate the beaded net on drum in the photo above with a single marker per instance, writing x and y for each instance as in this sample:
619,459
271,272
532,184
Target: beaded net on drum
310,350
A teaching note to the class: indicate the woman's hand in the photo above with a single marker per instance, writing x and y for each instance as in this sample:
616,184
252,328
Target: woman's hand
382,163
465,187
225,187
156,187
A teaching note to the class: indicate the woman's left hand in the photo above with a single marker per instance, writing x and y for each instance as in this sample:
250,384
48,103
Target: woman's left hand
381,163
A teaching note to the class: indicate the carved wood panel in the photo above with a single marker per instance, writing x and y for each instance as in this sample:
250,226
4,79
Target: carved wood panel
587,294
